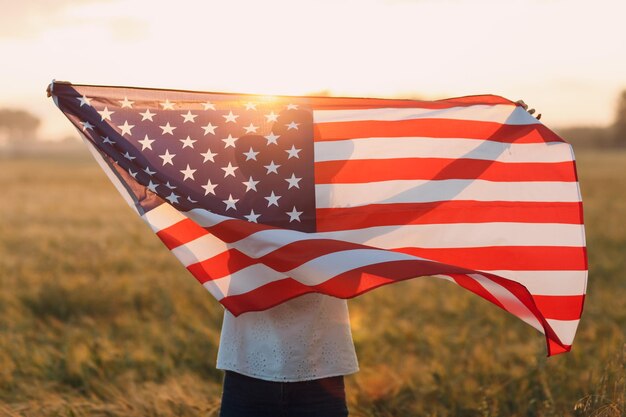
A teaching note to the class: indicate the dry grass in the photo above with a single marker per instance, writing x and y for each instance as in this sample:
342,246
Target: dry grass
98,319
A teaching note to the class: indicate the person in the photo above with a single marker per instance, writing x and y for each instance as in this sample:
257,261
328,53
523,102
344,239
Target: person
289,360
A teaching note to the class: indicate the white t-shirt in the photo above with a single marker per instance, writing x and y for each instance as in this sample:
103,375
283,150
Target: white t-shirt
306,338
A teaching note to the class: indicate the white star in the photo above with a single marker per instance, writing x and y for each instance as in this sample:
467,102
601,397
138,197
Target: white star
107,140
250,106
132,174
190,200
187,142
84,100
189,117
173,198
272,199
230,203
126,103
229,141
127,156
167,129
105,114
167,158
209,128
167,105
209,188
170,186
251,154
152,186
292,125
292,107
272,138
146,143
126,128
251,128
147,115
294,214
230,117
86,125
188,173
272,117
293,152
208,105
252,216
272,167
229,170
293,181
208,156
147,171
250,184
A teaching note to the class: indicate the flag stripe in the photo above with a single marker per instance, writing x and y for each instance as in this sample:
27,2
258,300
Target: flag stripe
451,148
434,128
423,191
444,212
376,170
560,307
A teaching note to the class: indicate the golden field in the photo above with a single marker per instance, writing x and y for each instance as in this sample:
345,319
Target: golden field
97,318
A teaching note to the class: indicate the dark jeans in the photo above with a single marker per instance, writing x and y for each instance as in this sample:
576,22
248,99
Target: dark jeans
244,396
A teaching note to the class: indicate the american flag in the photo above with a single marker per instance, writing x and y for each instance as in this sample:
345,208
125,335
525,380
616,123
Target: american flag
264,198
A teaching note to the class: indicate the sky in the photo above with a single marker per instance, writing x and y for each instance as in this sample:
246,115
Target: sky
566,58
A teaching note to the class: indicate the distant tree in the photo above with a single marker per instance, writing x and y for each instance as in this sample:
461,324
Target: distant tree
619,126
18,125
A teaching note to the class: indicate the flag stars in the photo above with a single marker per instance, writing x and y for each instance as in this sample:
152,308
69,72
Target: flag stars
167,157
293,152
126,128
172,198
126,103
272,199
132,174
294,214
250,106
293,181
251,128
209,188
84,100
152,186
251,154
272,138
292,125
105,114
188,142
149,172
230,117
231,202
229,170
127,156
170,186
147,115
208,106
292,107
272,167
189,117
209,129
167,105
229,141
146,143
272,117
250,184
86,126
167,129
107,140
188,173
252,217
208,156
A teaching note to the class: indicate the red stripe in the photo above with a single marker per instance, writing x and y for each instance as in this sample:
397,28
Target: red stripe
343,103
560,307
435,128
180,233
371,170
513,258
332,219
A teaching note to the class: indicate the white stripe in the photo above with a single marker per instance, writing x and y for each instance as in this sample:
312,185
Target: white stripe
162,217
200,249
419,147
565,329
423,191
463,235
548,282
499,113
240,282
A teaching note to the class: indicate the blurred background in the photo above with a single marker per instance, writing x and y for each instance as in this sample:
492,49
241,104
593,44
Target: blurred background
98,319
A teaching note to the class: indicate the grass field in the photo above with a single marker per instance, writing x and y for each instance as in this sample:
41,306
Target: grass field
97,318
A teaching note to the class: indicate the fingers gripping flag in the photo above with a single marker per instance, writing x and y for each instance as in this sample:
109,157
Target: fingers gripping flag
264,199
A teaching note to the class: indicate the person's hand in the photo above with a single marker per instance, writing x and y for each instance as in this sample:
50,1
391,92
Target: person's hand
525,106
